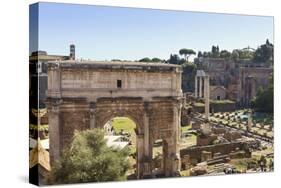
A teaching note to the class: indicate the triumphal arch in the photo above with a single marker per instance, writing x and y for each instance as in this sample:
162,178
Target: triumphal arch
86,94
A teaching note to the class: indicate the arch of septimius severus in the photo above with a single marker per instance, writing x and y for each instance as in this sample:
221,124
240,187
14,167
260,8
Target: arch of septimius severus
85,95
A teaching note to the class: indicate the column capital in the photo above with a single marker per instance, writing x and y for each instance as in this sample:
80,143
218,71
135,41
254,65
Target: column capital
53,104
93,109
53,66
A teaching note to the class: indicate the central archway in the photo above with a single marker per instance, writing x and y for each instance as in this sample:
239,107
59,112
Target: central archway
107,109
120,132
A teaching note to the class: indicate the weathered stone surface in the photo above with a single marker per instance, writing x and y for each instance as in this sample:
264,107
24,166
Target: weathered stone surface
250,79
194,153
87,95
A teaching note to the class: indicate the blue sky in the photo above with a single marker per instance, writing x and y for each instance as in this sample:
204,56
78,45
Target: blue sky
105,33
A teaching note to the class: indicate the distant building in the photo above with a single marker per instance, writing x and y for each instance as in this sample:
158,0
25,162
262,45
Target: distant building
72,52
218,70
250,80
217,93
239,81
216,64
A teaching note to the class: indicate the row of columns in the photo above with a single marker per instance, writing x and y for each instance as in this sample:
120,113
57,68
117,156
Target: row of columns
202,82
207,97
204,89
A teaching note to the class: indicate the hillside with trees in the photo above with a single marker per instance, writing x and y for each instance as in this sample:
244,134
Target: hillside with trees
263,54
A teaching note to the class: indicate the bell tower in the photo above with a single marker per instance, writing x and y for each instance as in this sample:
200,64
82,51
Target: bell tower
72,52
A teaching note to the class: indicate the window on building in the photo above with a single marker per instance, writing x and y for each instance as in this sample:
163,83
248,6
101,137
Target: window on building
119,83
218,97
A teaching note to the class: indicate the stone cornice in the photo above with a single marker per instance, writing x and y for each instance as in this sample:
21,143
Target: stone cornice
124,66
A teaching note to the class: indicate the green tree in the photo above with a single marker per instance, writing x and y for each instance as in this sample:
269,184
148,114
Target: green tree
263,101
245,54
235,55
188,76
215,51
187,53
200,54
155,59
174,59
146,59
207,54
264,53
116,60
89,159
225,54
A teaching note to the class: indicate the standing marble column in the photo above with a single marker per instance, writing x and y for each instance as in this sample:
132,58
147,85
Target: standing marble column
54,80
176,151
146,135
147,153
200,87
92,115
92,120
140,156
171,158
196,87
54,133
207,96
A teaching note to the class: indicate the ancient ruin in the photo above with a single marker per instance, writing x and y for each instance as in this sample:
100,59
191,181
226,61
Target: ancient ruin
204,88
119,109
238,82
87,94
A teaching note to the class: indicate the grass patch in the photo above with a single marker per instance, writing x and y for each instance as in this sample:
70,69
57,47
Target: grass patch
198,104
241,164
185,173
221,102
124,123
185,128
